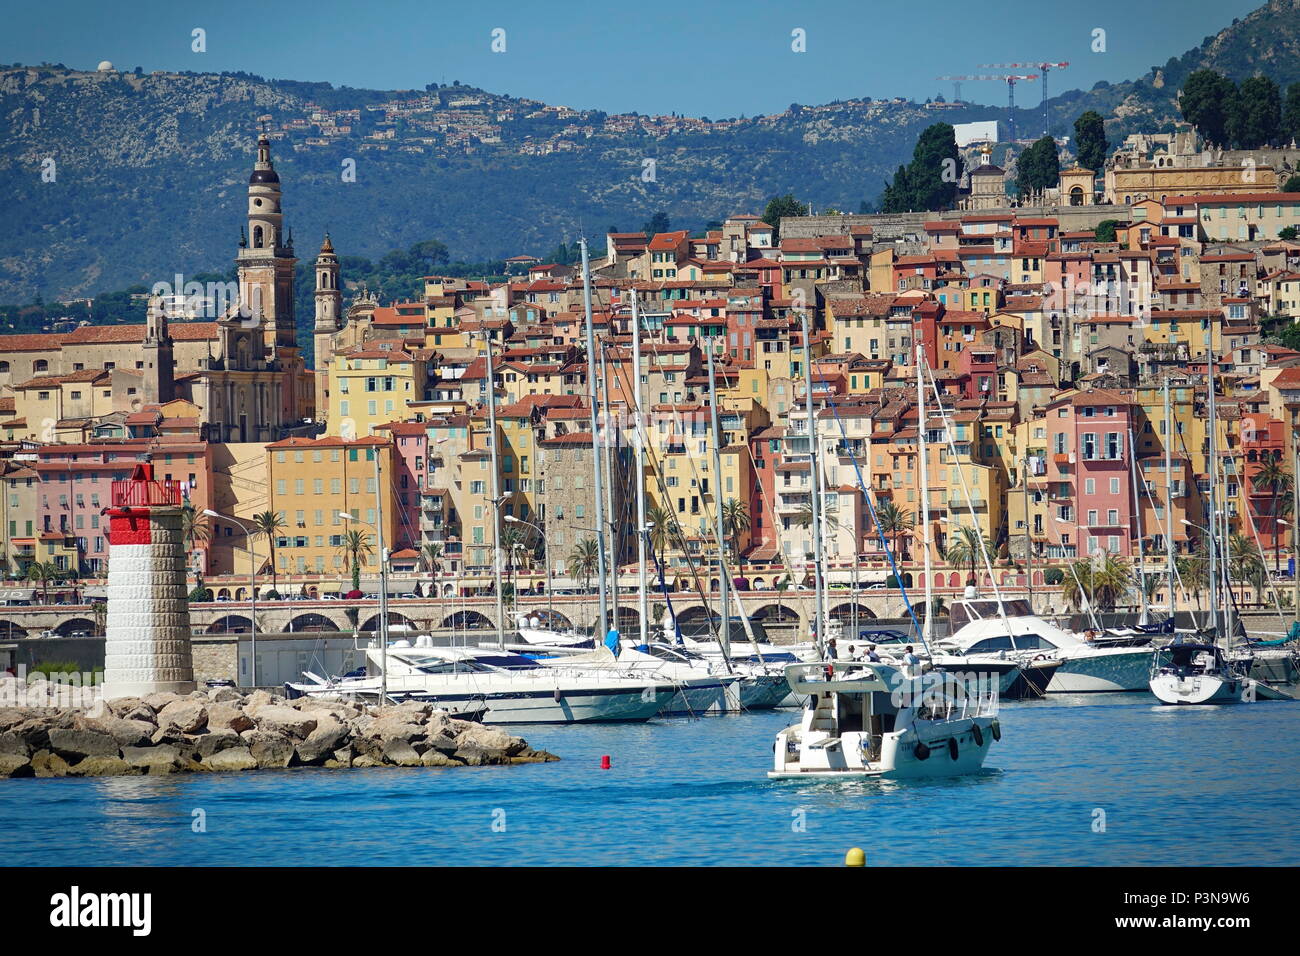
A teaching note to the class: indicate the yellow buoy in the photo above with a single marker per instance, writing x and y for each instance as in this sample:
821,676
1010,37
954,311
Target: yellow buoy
855,857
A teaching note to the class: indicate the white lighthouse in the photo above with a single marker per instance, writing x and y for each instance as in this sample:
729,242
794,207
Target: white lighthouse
148,626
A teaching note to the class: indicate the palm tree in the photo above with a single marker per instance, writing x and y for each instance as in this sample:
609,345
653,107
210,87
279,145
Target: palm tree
967,549
1245,564
194,526
99,612
894,521
1194,573
431,555
356,550
269,524
42,573
663,528
735,522
781,587
584,560
1103,581
1272,474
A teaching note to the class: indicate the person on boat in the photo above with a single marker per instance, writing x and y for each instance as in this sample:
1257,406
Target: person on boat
871,654
910,662
832,652
853,653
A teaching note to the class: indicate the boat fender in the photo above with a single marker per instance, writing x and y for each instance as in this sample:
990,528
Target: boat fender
997,730
922,751
953,749
978,734
558,696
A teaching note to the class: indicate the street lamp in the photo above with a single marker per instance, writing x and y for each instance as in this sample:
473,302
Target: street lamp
383,603
550,613
252,577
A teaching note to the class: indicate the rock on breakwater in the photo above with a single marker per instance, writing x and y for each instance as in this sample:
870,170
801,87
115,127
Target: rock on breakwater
223,729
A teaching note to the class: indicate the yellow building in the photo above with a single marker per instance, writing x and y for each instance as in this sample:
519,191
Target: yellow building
371,386
311,482
51,406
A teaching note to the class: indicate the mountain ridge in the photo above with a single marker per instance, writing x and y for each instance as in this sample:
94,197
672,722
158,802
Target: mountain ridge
149,169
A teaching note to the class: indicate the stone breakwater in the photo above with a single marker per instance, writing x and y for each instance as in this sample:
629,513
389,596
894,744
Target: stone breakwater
225,730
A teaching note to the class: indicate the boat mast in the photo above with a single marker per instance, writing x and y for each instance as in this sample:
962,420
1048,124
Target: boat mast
383,581
814,475
1295,526
1145,616
609,493
644,599
927,628
724,628
1171,568
498,563
598,471
1029,541
1212,524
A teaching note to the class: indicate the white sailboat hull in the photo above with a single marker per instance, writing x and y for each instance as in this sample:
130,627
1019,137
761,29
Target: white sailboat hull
1197,689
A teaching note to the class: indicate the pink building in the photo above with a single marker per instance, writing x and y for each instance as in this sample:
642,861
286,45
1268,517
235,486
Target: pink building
1088,470
410,461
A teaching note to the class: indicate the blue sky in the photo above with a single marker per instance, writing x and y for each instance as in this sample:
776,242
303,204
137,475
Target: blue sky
717,58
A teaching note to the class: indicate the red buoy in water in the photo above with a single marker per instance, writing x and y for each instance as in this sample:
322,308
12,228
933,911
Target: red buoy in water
604,762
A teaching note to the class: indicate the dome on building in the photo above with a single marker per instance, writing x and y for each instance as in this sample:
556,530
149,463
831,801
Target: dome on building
105,66
263,176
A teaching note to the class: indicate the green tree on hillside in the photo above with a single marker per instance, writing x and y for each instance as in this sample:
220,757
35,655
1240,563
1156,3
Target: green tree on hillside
1207,101
782,206
1039,166
1090,140
1256,118
929,182
1105,231
1291,113
657,223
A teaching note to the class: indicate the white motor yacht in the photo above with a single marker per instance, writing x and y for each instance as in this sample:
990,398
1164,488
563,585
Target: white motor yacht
515,689
701,684
869,720
1086,666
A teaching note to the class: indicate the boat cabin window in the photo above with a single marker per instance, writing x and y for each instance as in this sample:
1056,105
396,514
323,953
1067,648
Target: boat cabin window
1033,642
512,661
991,645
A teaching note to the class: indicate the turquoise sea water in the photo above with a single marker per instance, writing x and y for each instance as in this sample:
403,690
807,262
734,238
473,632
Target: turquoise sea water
1212,785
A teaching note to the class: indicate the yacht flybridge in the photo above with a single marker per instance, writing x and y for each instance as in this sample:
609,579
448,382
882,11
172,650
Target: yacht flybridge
869,720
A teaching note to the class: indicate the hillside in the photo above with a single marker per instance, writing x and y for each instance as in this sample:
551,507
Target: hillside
150,168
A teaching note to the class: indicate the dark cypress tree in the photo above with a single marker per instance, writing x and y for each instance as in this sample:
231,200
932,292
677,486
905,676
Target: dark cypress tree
1256,117
1206,101
1090,140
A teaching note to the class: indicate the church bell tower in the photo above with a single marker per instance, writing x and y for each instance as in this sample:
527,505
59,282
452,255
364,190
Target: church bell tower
329,309
266,261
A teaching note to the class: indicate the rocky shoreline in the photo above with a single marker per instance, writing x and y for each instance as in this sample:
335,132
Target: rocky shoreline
222,730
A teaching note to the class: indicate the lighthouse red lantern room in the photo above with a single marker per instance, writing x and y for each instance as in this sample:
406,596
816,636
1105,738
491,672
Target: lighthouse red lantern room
147,647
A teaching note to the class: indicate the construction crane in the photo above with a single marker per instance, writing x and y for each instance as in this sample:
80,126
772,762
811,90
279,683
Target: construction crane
1043,68
1010,79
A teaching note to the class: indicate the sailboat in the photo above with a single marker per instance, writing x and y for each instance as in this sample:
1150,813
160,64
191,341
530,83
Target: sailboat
1200,673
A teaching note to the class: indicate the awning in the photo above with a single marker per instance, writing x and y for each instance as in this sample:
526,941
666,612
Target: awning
18,594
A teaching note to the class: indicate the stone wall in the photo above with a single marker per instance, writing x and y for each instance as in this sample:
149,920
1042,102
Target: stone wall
892,225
